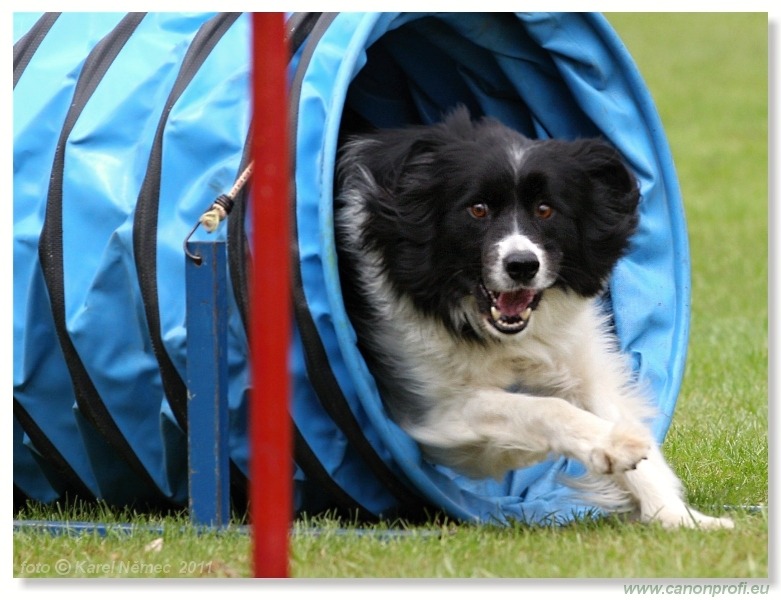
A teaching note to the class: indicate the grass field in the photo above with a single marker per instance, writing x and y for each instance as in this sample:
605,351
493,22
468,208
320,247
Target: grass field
708,76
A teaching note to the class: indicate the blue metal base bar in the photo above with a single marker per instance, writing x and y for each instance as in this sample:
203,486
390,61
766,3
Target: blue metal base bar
104,529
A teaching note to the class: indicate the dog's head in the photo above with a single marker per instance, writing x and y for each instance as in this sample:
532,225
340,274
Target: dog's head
474,221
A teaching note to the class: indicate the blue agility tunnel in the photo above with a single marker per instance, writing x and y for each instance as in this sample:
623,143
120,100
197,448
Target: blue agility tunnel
127,127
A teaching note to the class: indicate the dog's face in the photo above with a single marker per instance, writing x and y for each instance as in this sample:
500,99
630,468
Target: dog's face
474,221
545,214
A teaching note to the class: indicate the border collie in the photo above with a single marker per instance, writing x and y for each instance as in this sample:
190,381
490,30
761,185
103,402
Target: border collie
472,261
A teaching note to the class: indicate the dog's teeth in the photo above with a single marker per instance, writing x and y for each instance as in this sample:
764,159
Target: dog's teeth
496,314
526,313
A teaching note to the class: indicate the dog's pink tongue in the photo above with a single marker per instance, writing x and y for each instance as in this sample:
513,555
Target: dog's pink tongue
514,303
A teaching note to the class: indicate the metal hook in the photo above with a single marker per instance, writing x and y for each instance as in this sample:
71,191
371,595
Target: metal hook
193,257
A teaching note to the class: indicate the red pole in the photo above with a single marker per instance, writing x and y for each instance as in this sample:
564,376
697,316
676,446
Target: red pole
270,427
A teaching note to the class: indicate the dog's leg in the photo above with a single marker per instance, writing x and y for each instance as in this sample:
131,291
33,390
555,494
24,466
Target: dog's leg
656,490
492,431
653,485
659,496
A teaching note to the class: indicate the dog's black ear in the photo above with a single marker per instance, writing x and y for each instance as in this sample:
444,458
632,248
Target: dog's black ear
614,182
608,215
402,160
408,166
395,159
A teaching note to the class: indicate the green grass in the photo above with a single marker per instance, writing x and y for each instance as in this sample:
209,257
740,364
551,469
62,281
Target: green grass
607,549
708,76
325,548
156,547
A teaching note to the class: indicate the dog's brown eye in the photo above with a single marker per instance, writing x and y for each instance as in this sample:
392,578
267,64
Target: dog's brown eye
479,211
543,211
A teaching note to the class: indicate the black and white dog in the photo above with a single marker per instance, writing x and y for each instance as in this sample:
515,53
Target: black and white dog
472,259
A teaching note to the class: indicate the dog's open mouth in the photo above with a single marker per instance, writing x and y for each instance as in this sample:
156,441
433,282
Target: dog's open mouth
507,312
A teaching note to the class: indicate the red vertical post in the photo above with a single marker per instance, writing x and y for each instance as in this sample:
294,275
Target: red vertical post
270,427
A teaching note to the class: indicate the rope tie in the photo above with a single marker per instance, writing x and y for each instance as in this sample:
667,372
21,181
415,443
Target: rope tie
223,204
219,210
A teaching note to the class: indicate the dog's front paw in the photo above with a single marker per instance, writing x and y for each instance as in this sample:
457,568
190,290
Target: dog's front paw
626,445
688,517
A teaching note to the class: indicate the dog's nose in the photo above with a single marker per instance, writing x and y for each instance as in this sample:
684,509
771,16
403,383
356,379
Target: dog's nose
521,266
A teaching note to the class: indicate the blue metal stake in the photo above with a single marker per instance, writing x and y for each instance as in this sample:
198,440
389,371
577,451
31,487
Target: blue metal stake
207,384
